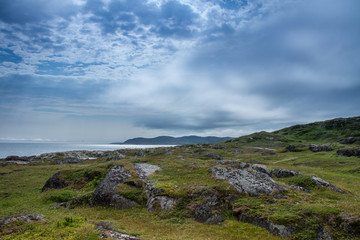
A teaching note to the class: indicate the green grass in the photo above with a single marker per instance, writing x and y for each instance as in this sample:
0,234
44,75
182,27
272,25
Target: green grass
185,174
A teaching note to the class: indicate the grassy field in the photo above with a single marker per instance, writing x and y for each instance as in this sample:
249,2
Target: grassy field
185,172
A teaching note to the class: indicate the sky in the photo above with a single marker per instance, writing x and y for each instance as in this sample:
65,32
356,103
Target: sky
109,70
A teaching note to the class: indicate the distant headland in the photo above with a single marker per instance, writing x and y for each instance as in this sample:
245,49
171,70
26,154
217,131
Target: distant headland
168,140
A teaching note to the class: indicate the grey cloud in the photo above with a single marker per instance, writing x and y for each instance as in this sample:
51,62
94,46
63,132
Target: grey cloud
27,11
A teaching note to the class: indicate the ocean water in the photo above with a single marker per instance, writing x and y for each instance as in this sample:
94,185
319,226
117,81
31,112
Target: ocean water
30,149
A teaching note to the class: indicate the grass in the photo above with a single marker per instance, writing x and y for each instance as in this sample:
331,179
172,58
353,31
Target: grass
185,174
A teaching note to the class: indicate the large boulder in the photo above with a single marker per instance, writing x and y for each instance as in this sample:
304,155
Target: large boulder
106,195
54,182
248,179
319,148
349,152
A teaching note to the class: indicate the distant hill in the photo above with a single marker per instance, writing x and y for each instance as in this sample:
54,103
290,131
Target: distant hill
340,130
167,140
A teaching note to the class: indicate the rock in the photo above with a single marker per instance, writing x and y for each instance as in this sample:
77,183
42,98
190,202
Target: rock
115,157
216,156
108,232
248,179
154,201
295,148
261,168
350,224
283,173
24,217
105,194
54,182
276,229
349,152
325,184
349,140
323,234
300,188
69,160
62,204
319,148
164,202
140,153
204,212
144,170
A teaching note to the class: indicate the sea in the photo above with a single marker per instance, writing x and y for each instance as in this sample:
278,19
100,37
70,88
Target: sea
31,149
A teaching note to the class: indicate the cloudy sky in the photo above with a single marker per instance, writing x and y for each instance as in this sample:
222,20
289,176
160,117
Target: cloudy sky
109,70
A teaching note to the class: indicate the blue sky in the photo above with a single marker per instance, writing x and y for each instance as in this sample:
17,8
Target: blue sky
109,70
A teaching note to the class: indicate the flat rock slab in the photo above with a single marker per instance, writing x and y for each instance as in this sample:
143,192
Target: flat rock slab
249,179
145,169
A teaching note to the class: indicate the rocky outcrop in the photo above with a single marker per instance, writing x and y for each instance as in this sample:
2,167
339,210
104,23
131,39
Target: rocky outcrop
349,140
249,179
106,195
207,212
276,229
283,173
216,156
323,234
69,160
155,200
54,182
24,217
320,148
115,157
349,152
322,183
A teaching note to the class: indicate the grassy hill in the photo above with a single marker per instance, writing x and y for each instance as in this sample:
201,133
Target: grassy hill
187,181
331,131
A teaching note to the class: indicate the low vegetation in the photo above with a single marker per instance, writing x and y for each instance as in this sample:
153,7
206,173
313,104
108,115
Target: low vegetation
185,174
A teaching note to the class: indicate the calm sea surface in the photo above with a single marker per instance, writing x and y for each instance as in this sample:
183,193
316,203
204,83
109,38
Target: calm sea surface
29,149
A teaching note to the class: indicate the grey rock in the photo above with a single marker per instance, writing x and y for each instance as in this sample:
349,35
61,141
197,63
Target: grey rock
204,212
349,140
24,217
105,194
164,202
349,152
54,182
248,180
108,232
283,173
115,157
300,188
325,184
276,229
62,204
319,148
140,153
323,234
144,170
69,160
216,156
